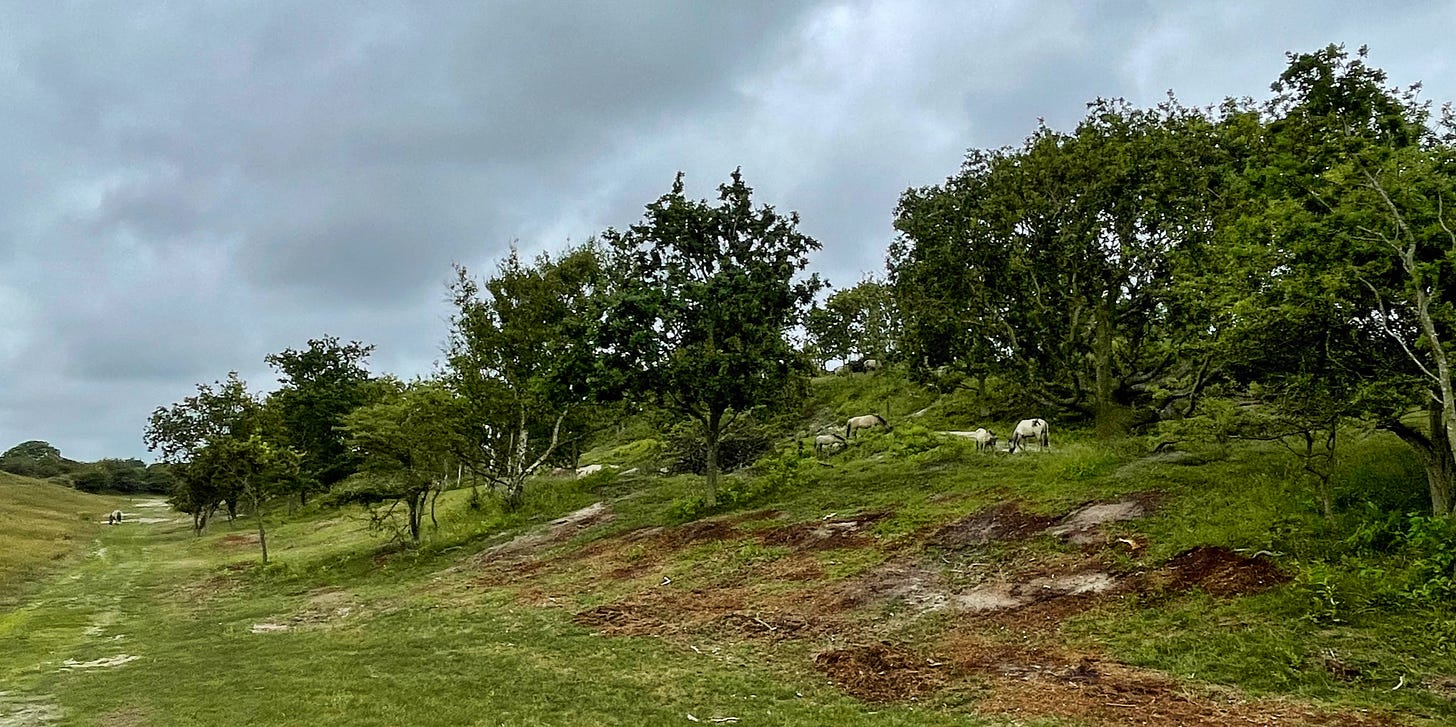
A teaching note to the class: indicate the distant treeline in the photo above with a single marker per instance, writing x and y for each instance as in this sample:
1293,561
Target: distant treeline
118,476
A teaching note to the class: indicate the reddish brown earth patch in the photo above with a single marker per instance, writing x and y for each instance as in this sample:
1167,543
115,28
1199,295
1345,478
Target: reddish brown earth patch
843,532
1221,572
702,531
664,610
1003,522
798,567
1031,682
882,672
239,540
1114,695
766,625
621,619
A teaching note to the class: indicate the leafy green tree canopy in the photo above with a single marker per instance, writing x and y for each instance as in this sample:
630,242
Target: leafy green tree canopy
319,385
705,296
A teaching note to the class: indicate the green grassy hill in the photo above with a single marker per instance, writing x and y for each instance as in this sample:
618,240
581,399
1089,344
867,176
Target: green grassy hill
41,524
906,580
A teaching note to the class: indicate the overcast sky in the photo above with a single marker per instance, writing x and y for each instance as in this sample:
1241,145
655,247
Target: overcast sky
191,186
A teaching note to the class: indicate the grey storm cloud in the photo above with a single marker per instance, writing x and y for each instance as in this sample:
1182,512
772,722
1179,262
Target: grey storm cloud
194,186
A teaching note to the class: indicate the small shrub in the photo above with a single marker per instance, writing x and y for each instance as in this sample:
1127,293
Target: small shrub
1325,604
1431,542
903,441
1376,531
788,469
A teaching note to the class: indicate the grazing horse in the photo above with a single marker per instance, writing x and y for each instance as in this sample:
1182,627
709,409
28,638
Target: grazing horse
828,441
985,439
1030,430
865,422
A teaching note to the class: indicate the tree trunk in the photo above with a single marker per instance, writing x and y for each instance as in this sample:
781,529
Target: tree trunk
1110,420
262,535
1440,466
1435,453
715,420
415,501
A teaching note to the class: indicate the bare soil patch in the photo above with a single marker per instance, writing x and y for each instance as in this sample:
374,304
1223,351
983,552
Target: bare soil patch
1115,695
701,531
556,531
238,540
1084,525
1222,572
325,608
882,672
664,610
1031,681
1003,522
908,580
845,532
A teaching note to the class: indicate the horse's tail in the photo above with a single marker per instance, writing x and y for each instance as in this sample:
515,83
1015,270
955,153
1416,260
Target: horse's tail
1045,434
847,427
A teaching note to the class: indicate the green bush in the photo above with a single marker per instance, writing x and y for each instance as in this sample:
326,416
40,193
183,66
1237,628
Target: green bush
789,469
1431,544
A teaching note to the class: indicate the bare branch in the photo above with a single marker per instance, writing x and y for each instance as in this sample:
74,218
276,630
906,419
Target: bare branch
1383,321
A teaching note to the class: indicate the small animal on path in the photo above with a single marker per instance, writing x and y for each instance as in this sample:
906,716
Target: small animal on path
865,422
871,364
114,518
828,441
985,439
1029,430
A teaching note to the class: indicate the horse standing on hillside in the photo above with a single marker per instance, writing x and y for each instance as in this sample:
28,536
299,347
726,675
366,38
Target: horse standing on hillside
1029,430
867,421
828,441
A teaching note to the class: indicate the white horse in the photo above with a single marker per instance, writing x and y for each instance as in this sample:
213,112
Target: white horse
871,364
985,439
865,422
828,441
1029,430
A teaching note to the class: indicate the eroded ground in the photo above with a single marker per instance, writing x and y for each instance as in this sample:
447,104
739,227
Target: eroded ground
966,609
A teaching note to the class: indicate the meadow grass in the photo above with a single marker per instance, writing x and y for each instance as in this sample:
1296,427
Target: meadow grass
44,524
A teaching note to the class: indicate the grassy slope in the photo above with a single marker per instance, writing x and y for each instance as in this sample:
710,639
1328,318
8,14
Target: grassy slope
43,524
380,636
